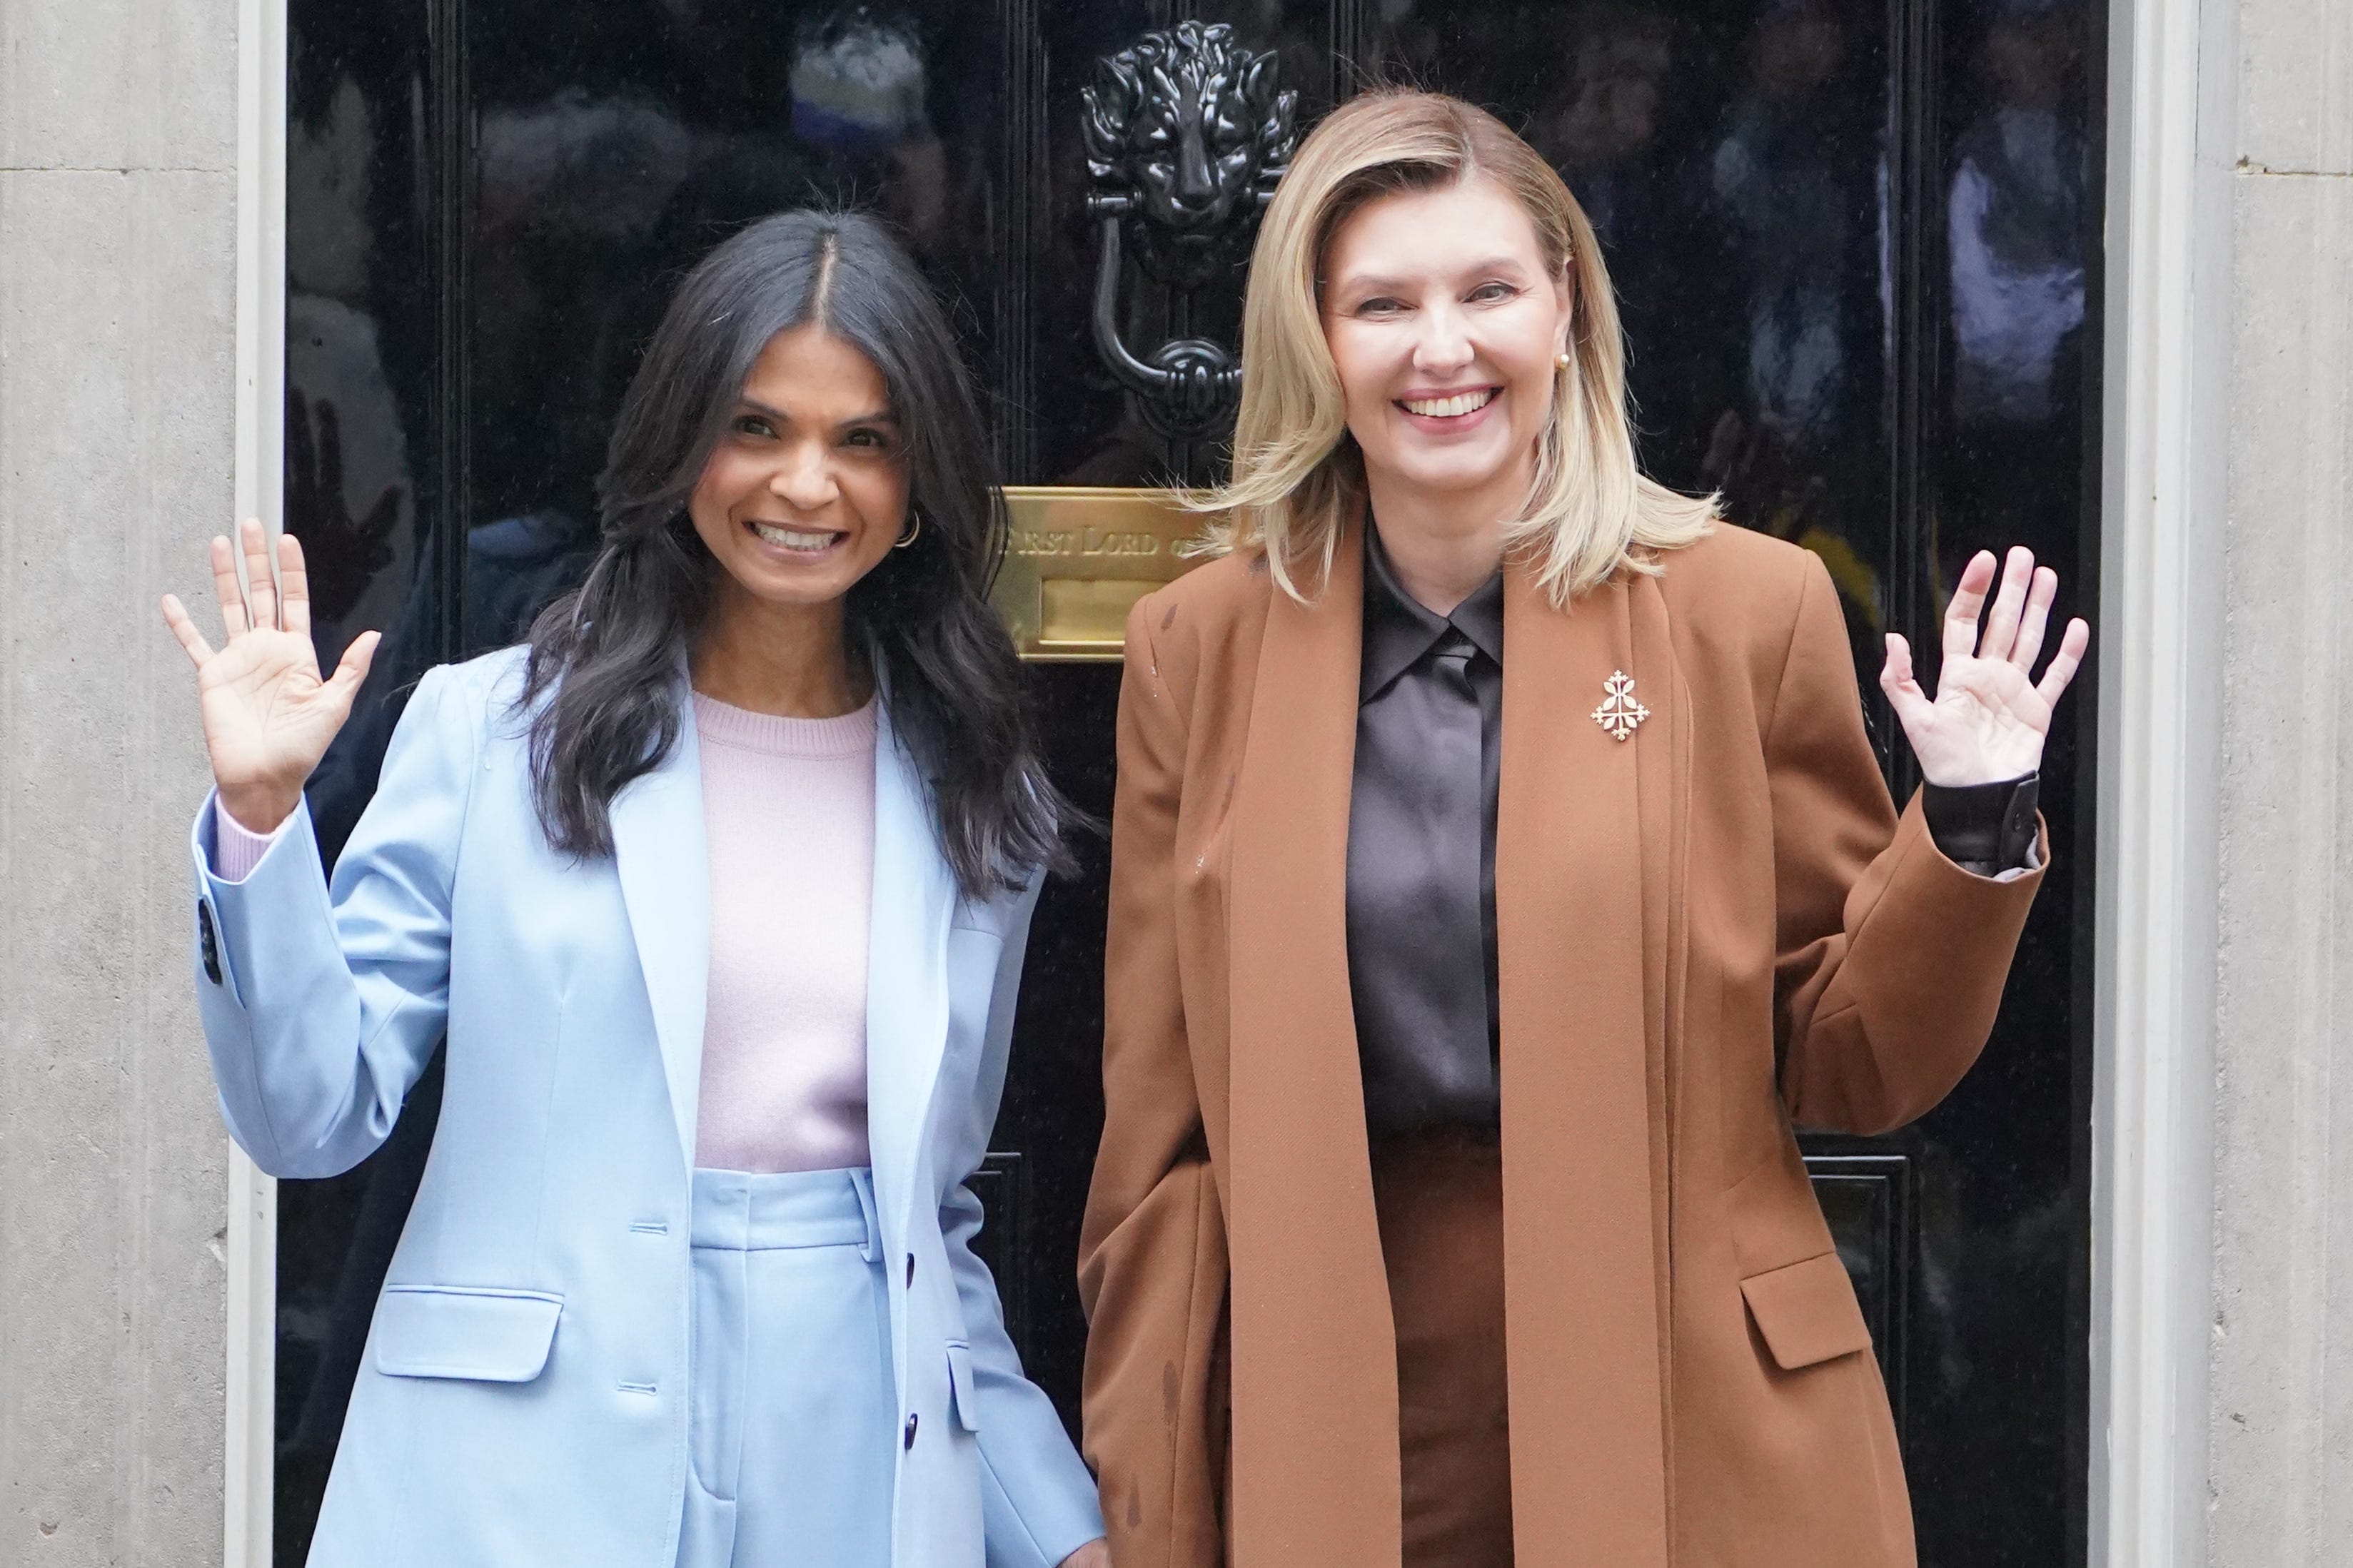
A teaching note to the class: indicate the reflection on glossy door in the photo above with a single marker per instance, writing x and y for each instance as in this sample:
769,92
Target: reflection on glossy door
1854,249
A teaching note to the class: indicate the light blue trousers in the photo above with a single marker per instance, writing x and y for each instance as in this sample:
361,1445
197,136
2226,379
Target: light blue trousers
790,1420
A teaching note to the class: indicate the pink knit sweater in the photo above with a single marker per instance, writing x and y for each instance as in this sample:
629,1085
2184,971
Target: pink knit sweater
788,819
788,810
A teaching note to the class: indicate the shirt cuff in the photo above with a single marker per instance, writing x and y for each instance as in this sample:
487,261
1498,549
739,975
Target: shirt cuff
238,849
1988,829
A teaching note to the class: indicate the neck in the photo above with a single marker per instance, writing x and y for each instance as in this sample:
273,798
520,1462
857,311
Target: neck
789,660
1443,546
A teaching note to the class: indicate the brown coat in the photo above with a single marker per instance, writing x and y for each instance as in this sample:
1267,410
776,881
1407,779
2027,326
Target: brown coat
1704,932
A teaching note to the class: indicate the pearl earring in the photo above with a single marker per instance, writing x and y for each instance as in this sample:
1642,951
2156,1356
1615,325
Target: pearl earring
1561,362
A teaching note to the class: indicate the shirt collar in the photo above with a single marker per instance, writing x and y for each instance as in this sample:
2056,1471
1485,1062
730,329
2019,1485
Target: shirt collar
1400,629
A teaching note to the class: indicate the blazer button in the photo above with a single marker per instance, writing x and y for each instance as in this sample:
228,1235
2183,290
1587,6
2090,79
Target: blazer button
911,1432
207,943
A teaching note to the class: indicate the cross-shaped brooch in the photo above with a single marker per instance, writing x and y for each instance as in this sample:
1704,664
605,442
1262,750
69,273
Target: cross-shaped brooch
1618,712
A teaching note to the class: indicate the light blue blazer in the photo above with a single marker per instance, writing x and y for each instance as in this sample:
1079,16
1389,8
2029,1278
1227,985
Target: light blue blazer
522,1398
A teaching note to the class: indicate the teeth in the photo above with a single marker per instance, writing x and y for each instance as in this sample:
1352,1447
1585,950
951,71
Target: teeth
793,538
1461,402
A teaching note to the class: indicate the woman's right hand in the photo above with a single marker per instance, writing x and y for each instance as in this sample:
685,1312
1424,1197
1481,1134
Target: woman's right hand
268,715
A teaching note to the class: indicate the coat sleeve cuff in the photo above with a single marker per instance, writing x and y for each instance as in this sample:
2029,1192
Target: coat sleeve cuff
286,874
1051,1522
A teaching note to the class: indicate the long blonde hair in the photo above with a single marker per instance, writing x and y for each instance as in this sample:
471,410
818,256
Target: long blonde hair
1296,479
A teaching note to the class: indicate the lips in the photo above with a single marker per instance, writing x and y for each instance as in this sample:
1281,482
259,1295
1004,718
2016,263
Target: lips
799,541
1450,405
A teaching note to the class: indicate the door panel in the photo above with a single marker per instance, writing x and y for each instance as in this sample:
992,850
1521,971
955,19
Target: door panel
1853,244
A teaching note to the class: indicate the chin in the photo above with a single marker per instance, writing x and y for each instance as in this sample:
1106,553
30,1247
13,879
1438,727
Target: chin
1450,478
776,588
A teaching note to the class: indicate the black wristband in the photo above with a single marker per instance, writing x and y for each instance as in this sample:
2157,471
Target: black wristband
1986,828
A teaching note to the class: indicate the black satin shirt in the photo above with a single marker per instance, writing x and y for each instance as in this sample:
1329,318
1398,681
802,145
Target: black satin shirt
1420,899
1421,854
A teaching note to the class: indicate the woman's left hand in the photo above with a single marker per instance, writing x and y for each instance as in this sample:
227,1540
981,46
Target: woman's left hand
1095,1553
1989,716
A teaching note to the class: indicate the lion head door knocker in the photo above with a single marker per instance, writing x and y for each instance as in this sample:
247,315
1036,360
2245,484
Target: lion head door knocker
1186,137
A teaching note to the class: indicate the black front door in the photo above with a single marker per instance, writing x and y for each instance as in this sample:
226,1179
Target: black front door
1856,243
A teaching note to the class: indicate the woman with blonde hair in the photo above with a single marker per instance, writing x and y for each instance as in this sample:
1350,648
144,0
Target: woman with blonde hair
1499,870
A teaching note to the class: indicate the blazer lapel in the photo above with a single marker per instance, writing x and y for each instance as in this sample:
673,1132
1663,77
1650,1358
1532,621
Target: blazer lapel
665,871
1585,830
906,986
1313,1345
1662,781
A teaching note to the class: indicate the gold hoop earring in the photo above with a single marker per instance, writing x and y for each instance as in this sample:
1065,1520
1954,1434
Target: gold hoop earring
915,527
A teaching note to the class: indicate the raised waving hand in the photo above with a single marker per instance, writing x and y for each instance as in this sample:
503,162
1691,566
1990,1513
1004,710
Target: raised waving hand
267,713
1991,716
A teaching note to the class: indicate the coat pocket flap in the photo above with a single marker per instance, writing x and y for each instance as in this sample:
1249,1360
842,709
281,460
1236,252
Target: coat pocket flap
464,1332
1807,1311
962,1391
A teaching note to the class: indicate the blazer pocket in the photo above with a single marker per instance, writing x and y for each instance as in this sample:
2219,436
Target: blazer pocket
465,1331
1806,1312
962,1392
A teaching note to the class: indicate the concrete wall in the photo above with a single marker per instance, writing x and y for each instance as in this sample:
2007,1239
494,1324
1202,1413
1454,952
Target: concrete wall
118,189
2280,1424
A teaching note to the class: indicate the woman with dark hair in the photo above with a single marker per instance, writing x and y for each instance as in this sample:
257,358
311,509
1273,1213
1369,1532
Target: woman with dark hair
719,889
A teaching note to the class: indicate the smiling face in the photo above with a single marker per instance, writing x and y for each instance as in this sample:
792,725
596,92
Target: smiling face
1443,322
806,490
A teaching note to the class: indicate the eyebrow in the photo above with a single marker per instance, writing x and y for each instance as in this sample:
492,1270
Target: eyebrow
1493,264
881,416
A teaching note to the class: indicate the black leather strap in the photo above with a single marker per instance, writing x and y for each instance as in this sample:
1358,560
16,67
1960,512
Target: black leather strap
1986,828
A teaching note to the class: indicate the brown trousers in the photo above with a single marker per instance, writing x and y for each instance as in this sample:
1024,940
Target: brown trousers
1439,1197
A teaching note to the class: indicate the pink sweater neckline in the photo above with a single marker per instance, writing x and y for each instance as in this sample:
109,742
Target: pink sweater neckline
721,723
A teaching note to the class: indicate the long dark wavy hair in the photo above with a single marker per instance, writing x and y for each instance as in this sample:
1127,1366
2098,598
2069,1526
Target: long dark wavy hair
605,657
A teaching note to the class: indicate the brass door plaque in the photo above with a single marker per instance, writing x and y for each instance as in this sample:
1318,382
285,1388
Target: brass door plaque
1078,561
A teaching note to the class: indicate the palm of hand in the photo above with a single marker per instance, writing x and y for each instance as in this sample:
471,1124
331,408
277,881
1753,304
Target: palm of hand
267,713
1988,720
1990,717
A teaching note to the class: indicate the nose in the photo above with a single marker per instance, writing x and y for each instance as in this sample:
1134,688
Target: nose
803,477
1195,182
1443,344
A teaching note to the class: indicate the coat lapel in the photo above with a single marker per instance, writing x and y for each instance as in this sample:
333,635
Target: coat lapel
907,980
1584,877
665,871
1313,1346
